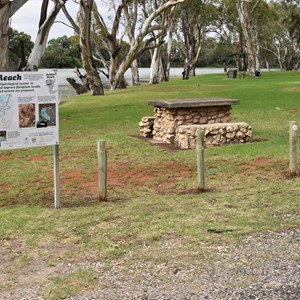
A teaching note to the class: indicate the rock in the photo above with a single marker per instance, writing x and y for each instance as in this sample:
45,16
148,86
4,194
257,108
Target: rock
230,135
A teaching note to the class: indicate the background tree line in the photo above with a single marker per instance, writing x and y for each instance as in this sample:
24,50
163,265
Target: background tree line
64,52
143,33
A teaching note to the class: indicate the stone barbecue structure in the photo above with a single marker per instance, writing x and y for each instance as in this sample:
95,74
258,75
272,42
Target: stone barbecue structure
215,134
176,122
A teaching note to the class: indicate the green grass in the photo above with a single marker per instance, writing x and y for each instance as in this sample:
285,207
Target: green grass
248,187
70,284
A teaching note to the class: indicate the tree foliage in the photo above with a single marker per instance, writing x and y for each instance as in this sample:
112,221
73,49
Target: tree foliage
208,33
62,52
20,46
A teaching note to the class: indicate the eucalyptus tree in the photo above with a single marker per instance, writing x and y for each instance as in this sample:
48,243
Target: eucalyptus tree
45,24
135,15
109,38
7,9
246,11
228,32
197,18
93,78
131,15
292,19
20,46
170,33
160,67
147,33
157,45
281,37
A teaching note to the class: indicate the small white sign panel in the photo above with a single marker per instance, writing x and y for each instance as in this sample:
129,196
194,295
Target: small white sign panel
28,109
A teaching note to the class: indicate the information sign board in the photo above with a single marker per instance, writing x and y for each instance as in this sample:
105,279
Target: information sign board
28,109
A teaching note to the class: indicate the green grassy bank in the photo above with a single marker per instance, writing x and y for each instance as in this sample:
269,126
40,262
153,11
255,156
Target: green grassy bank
152,190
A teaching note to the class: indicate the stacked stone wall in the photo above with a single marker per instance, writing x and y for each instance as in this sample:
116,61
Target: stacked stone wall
215,134
146,127
168,120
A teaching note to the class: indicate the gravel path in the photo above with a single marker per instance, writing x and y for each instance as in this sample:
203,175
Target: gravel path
263,266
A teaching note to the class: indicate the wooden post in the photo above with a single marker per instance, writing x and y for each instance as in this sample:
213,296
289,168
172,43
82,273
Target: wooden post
293,147
102,167
200,158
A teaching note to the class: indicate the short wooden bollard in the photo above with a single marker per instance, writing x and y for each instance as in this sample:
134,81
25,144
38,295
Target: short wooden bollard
293,147
200,159
102,167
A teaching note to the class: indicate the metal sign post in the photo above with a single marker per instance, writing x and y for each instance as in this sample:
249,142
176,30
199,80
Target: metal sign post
56,177
200,159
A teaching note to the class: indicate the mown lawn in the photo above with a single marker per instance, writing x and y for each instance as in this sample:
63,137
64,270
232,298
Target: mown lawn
152,190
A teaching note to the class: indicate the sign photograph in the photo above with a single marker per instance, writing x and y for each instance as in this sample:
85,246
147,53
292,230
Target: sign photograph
28,109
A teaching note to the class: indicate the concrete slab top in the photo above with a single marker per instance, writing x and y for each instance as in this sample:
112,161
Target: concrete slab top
193,102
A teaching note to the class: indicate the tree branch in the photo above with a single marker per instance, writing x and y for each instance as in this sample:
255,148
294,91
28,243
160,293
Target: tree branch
71,20
15,6
254,6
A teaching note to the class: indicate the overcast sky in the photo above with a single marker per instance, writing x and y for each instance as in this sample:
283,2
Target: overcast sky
26,19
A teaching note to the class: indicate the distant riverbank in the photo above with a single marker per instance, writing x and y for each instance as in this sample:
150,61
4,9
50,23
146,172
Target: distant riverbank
65,90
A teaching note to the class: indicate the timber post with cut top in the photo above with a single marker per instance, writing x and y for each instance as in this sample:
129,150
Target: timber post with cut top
293,147
102,167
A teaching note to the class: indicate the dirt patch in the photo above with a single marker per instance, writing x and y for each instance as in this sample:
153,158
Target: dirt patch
262,161
257,165
293,89
164,146
37,158
254,139
5,157
172,147
71,177
68,138
161,177
65,157
288,176
294,111
249,167
4,188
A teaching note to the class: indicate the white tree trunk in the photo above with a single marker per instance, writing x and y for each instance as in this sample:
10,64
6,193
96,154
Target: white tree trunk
170,21
4,25
267,65
7,10
131,18
135,73
42,37
155,65
257,49
138,42
93,78
245,20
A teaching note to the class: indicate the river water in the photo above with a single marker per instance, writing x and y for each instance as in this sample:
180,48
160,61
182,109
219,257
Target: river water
65,90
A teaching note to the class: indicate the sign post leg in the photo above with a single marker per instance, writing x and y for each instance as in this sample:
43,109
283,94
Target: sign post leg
56,177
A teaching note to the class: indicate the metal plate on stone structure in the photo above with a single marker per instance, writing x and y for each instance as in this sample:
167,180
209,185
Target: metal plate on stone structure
193,102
